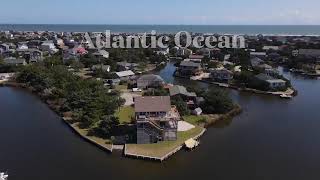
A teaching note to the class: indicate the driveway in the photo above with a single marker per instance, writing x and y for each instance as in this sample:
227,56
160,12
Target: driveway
184,126
129,98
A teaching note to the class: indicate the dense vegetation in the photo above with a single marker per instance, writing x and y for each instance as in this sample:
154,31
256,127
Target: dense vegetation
88,101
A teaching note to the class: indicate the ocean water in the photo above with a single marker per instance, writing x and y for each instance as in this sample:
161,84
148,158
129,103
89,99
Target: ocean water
221,29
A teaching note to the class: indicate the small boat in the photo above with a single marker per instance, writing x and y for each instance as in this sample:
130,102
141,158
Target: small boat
4,176
286,96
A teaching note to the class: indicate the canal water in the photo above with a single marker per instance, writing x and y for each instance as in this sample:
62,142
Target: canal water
273,139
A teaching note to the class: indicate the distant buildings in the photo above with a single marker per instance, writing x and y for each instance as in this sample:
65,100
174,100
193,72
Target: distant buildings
273,82
15,61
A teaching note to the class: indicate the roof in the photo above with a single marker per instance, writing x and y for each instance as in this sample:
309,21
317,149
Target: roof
270,47
196,57
256,61
264,77
12,60
258,53
176,90
190,64
276,81
152,104
150,77
309,52
125,73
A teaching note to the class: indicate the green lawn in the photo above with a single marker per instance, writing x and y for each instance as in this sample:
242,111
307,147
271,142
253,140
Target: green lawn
195,120
121,87
125,114
161,149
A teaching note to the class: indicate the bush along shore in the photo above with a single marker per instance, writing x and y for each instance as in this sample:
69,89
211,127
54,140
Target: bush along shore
85,105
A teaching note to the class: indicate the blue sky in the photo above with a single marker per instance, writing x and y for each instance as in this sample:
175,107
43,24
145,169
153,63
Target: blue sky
201,12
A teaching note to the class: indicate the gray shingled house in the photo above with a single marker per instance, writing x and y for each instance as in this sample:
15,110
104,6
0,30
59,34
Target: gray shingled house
156,119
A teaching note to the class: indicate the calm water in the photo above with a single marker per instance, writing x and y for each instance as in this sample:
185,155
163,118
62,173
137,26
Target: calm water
227,29
273,139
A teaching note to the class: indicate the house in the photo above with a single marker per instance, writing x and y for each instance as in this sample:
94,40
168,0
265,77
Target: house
23,45
125,75
124,66
197,111
31,55
104,68
182,92
183,51
101,54
256,61
197,57
189,68
261,55
267,48
312,53
150,81
15,61
49,47
221,75
156,120
4,48
273,82
164,51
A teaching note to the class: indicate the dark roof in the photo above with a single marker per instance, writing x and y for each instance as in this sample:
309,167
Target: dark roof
264,77
176,90
150,78
190,64
152,104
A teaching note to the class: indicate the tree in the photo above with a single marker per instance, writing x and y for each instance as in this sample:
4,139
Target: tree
105,127
181,105
216,102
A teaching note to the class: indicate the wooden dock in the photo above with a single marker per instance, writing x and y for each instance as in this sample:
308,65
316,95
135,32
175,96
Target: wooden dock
163,158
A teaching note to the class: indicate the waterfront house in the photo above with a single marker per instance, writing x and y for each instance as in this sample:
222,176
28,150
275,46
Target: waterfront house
182,92
221,75
189,68
125,66
125,75
15,61
274,83
156,120
150,81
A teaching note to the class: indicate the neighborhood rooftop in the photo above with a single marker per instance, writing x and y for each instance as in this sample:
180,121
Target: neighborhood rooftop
152,104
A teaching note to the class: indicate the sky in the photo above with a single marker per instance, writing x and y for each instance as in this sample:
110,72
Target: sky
170,12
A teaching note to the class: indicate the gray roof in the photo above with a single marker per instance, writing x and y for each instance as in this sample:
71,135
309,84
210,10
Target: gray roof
152,104
256,61
125,73
176,90
151,78
12,60
100,66
264,77
190,64
310,52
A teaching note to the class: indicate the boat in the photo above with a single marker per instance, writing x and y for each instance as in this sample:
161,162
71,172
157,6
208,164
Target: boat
3,176
285,96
